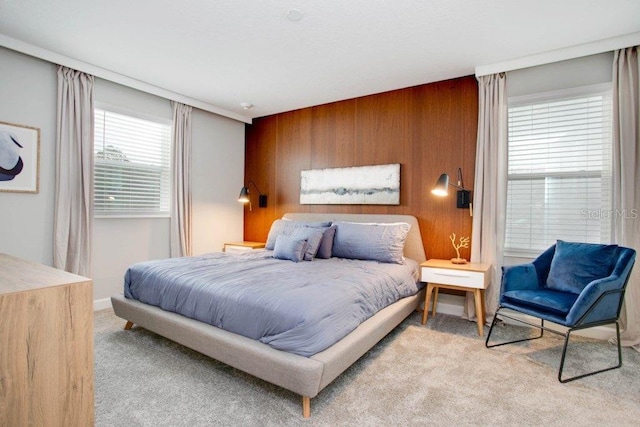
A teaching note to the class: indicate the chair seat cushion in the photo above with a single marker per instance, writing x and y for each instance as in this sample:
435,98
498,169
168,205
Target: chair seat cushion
545,300
575,265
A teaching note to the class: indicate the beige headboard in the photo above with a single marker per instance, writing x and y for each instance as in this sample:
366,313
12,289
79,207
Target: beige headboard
413,247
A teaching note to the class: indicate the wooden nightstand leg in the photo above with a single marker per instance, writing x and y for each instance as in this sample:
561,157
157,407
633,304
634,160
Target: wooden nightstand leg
435,301
427,300
484,318
479,312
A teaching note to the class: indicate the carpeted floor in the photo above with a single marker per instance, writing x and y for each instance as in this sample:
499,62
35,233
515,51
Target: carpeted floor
438,374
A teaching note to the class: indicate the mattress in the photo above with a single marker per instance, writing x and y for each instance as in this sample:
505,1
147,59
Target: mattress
301,308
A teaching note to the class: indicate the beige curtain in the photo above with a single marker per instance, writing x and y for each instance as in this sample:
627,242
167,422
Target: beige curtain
73,211
490,188
181,181
626,179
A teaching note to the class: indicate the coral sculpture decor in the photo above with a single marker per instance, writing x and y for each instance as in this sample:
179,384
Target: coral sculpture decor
463,243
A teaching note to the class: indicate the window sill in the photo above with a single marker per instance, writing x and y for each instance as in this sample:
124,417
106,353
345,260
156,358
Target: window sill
522,253
132,216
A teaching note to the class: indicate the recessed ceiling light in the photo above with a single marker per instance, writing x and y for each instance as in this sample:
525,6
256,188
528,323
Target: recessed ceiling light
295,15
246,105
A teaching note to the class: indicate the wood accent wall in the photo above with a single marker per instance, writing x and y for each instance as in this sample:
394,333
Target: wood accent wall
428,129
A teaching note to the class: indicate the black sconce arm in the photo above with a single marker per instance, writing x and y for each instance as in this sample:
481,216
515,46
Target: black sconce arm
245,196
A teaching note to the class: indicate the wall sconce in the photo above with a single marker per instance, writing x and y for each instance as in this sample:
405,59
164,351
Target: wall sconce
463,198
245,198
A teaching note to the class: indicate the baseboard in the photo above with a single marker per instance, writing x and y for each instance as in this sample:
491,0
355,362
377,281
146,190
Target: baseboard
101,304
450,304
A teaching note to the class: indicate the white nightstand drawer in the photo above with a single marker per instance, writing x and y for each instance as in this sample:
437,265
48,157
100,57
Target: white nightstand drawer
236,249
244,246
445,276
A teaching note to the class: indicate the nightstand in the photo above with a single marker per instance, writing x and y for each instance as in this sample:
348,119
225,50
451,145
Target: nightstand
471,277
236,247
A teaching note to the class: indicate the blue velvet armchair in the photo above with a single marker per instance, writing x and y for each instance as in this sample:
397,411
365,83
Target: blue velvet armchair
576,285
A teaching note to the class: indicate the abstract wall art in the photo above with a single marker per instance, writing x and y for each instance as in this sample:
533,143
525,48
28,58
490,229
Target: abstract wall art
19,158
360,185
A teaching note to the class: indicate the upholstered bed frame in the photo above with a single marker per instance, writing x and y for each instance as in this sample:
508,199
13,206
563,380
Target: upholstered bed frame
306,376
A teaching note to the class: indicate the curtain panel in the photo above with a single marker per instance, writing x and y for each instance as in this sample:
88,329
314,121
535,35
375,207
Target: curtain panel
626,180
73,210
490,188
181,239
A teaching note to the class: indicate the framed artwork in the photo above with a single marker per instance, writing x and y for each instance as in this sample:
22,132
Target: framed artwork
360,185
19,158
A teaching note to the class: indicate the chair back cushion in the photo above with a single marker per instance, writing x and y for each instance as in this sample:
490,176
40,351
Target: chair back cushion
575,265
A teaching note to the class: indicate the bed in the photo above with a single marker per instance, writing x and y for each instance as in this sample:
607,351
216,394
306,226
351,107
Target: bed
301,374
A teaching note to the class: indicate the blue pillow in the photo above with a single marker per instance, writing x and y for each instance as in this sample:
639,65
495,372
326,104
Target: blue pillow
326,244
289,248
575,265
378,242
312,236
286,227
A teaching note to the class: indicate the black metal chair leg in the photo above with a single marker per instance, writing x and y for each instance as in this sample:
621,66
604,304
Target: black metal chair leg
563,357
564,353
619,344
495,318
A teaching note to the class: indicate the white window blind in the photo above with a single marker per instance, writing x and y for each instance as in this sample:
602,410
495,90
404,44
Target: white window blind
559,174
132,165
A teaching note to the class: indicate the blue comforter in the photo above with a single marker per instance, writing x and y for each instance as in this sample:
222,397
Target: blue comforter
300,308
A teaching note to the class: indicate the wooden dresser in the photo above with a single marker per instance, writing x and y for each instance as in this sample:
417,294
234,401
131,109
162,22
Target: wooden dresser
46,346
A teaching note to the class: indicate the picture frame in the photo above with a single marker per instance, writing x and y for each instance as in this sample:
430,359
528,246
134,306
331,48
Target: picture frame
19,158
358,185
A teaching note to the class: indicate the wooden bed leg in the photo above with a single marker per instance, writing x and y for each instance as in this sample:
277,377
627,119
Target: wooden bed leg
306,406
128,325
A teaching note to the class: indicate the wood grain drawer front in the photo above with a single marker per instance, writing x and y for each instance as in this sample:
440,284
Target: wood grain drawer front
445,276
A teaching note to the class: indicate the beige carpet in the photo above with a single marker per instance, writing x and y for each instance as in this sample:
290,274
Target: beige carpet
437,374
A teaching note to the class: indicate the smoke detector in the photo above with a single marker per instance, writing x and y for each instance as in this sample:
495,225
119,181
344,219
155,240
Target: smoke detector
294,15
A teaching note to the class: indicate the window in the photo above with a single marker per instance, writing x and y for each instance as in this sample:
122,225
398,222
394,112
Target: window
132,165
559,173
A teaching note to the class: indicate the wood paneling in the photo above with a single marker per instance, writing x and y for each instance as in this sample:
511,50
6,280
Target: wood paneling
293,154
262,164
429,129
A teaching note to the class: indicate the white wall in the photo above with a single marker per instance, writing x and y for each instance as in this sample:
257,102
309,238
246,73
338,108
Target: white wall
217,157
28,89
28,94
585,71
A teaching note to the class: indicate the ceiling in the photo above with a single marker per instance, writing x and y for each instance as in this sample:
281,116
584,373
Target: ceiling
228,52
